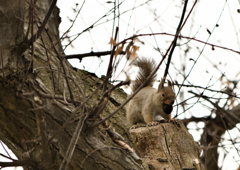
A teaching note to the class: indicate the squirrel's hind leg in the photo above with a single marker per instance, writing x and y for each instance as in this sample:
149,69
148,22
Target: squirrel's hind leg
134,116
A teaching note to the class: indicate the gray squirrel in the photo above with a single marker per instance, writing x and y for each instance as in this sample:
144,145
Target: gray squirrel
149,105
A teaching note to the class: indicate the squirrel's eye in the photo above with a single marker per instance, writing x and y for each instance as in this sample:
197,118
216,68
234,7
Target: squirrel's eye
163,95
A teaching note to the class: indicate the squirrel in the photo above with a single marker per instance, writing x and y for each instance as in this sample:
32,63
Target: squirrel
149,106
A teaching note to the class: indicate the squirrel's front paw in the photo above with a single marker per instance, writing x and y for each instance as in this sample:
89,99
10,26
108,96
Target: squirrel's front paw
138,125
154,123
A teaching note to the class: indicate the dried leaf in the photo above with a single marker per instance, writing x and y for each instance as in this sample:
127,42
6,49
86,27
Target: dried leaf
112,42
118,51
133,53
135,49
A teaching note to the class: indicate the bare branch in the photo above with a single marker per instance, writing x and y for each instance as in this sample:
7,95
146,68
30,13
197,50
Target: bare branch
41,28
233,119
175,39
73,142
14,163
91,54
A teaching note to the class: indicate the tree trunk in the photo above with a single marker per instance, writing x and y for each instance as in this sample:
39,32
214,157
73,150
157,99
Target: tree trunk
167,146
40,101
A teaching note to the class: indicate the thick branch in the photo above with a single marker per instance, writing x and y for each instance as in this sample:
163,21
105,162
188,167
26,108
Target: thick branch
14,163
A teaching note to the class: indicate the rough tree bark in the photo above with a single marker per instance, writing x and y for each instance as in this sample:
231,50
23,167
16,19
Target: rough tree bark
32,84
167,146
40,93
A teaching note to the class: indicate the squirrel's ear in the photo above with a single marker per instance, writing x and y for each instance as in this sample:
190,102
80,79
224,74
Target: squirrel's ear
169,83
161,85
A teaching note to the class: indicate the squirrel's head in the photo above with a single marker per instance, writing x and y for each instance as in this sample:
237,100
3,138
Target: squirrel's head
166,96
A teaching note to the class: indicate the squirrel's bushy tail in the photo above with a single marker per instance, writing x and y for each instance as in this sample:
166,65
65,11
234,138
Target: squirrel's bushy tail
146,67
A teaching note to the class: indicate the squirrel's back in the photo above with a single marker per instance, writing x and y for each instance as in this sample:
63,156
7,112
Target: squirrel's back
146,67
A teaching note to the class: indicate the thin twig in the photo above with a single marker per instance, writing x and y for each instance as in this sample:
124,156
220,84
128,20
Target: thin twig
63,64
110,67
105,96
179,36
73,142
201,50
175,39
90,27
91,54
42,130
72,22
228,115
41,28
74,112
50,67
229,135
